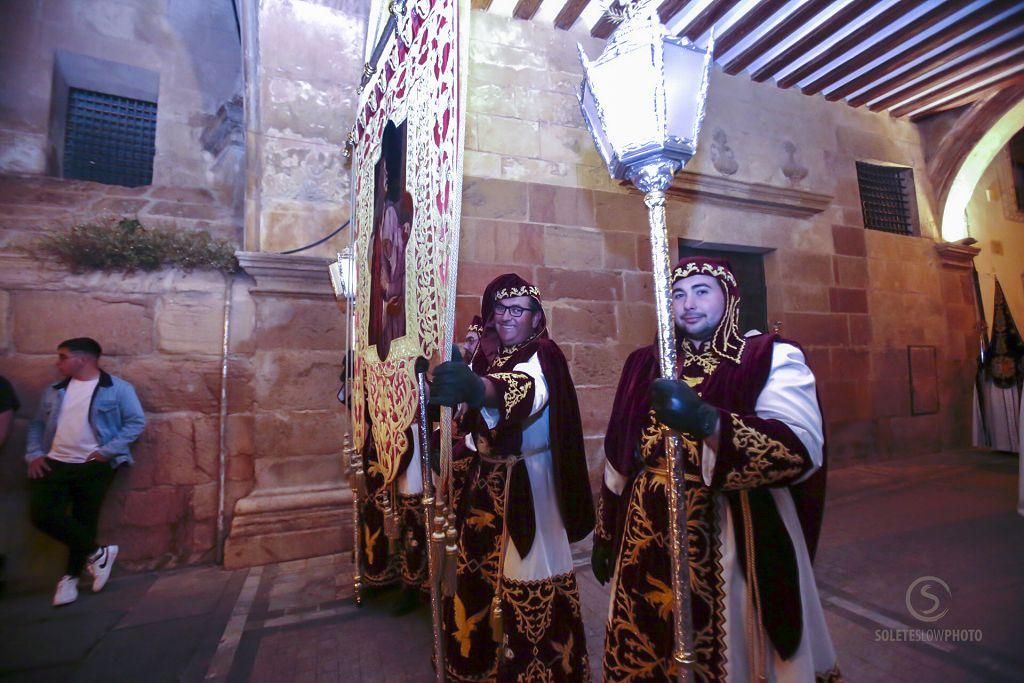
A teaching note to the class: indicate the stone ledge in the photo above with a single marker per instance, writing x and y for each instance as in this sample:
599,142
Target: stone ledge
292,498
757,197
957,256
289,523
21,271
288,536
287,275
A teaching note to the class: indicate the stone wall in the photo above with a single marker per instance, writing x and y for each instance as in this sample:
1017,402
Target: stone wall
303,61
995,221
292,335
161,332
164,331
192,50
36,204
538,201
774,174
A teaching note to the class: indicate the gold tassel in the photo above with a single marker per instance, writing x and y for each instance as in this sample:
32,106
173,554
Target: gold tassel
451,563
497,627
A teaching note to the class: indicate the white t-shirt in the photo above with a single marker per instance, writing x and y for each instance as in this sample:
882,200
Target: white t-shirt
75,440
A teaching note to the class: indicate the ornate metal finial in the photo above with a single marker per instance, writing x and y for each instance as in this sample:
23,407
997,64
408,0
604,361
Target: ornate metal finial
350,144
619,11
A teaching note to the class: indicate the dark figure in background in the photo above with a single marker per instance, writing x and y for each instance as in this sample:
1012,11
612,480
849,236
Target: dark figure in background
8,406
399,559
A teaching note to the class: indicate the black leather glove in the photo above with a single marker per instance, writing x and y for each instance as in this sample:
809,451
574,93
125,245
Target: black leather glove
601,561
679,407
455,383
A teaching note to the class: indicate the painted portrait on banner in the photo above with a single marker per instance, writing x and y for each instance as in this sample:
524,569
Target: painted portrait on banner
407,181
392,227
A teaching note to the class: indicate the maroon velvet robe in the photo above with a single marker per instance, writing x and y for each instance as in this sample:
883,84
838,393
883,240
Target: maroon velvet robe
633,447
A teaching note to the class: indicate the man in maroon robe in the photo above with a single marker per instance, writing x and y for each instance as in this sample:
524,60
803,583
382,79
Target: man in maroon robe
753,449
526,497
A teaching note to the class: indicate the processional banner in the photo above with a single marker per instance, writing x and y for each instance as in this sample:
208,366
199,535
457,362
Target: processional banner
407,168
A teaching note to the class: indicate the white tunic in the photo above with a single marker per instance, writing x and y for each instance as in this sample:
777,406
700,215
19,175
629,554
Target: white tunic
550,554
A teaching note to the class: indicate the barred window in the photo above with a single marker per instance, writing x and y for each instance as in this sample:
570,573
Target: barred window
109,139
887,198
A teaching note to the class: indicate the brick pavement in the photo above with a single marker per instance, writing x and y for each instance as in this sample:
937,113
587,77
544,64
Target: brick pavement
950,516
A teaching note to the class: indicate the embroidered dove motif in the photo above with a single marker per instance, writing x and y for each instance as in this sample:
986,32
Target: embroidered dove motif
464,627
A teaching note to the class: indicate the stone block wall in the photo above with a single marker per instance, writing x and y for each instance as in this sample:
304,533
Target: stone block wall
192,50
303,61
853,298
524,124
285,495
31,205
539,201
161,332
995,221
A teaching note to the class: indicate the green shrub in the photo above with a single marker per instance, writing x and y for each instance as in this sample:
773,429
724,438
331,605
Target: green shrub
126,245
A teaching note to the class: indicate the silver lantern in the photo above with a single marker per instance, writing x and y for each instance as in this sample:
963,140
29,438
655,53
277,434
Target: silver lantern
643,97
643,101
343,274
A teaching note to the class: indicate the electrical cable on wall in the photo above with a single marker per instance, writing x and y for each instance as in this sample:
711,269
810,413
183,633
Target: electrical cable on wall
319,241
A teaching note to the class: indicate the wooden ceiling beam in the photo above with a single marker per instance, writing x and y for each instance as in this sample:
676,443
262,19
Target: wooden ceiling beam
569,13
1003,85
826,29
604,26
670,8
783,30
939,39
937,61
999,52
525,9
968,83
707,18
851,41
480,4
747,23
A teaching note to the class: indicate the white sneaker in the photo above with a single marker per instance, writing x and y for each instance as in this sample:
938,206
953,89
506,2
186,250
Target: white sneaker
100,565
67,591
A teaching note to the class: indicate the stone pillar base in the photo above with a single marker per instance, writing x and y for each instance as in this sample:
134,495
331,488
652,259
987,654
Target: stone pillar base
289,524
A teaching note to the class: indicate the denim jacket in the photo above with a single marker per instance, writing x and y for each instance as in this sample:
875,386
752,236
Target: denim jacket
115,416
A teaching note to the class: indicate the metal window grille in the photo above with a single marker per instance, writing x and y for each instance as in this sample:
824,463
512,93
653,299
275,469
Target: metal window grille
109,139
885,197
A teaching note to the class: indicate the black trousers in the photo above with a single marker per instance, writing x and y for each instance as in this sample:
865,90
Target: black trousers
66,505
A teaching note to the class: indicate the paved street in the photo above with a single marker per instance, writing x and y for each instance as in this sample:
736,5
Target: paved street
950,516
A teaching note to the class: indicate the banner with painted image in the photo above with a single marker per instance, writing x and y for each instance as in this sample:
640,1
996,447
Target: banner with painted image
407,177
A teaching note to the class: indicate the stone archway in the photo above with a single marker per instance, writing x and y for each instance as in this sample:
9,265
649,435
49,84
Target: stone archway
967,150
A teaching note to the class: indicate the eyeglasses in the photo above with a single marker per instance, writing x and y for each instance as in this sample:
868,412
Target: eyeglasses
514,311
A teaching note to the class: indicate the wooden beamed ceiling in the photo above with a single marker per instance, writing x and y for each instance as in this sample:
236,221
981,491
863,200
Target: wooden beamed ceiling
912,58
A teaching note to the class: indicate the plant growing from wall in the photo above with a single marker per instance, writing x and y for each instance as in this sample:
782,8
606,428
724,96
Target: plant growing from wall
127,245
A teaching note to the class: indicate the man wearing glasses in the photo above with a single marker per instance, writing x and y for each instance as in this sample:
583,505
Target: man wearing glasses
525,498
